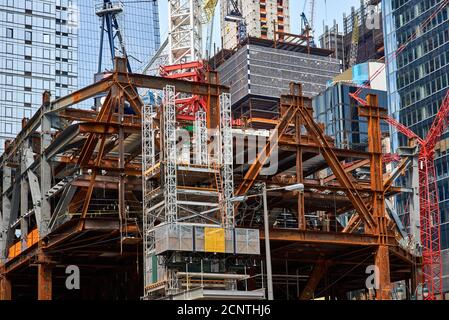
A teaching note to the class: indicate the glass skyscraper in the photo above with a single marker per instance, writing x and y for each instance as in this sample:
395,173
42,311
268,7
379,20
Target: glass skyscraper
54,45
139,24
417,83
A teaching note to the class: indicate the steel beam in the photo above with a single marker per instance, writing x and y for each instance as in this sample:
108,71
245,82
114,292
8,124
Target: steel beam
44,281
317,133
45,172
265,153
382,260
318,272
5,287
6,212
319,238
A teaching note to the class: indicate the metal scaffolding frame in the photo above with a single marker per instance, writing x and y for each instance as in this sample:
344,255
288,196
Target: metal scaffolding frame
201,156
227,160
170,155
184,39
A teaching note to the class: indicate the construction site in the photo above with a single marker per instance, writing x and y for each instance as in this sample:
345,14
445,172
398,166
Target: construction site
212,179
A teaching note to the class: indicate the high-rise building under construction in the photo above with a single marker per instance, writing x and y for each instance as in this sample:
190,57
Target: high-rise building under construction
262,19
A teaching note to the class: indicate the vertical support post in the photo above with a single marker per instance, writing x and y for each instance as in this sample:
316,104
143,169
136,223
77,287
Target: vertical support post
415,223
227,149
170,155
6,212
382,261
45,170
24,189
148,162
44,281
121,159
5,288
267,243
299,100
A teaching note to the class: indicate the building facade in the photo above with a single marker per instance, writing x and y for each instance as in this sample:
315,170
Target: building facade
54,45
370,43
261,17
418,80
339,112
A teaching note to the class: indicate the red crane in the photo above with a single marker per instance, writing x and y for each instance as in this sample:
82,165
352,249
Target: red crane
428,198
428,191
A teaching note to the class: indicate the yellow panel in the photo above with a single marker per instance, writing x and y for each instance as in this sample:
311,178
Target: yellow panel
214,240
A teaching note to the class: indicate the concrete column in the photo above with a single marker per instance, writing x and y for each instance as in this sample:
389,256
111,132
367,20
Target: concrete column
44,281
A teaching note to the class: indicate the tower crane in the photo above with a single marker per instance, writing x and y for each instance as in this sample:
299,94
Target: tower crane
307,24
428,192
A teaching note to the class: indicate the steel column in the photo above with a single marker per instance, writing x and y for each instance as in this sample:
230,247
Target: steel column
45,169
382,261
44,281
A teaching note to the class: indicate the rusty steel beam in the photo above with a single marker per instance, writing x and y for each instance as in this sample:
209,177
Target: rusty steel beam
320,238
374,113
317,133
318,272
44,281
265,153
353,166
159,83
81,95
5,287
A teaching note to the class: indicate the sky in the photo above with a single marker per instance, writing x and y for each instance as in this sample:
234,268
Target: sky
326,10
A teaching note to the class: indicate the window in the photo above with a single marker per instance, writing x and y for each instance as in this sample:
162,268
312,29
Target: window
9,64
10,3
28,5
28,51
46,54
27,98
28,66
47,8
8,112
28,36
28,82
9,17
46,69
46,38
28,20
8,80
46,85
8,127
47,23
9,33
27,113
8,95
9,48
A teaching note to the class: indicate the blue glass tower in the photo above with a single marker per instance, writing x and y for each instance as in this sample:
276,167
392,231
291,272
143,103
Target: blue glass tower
139,24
